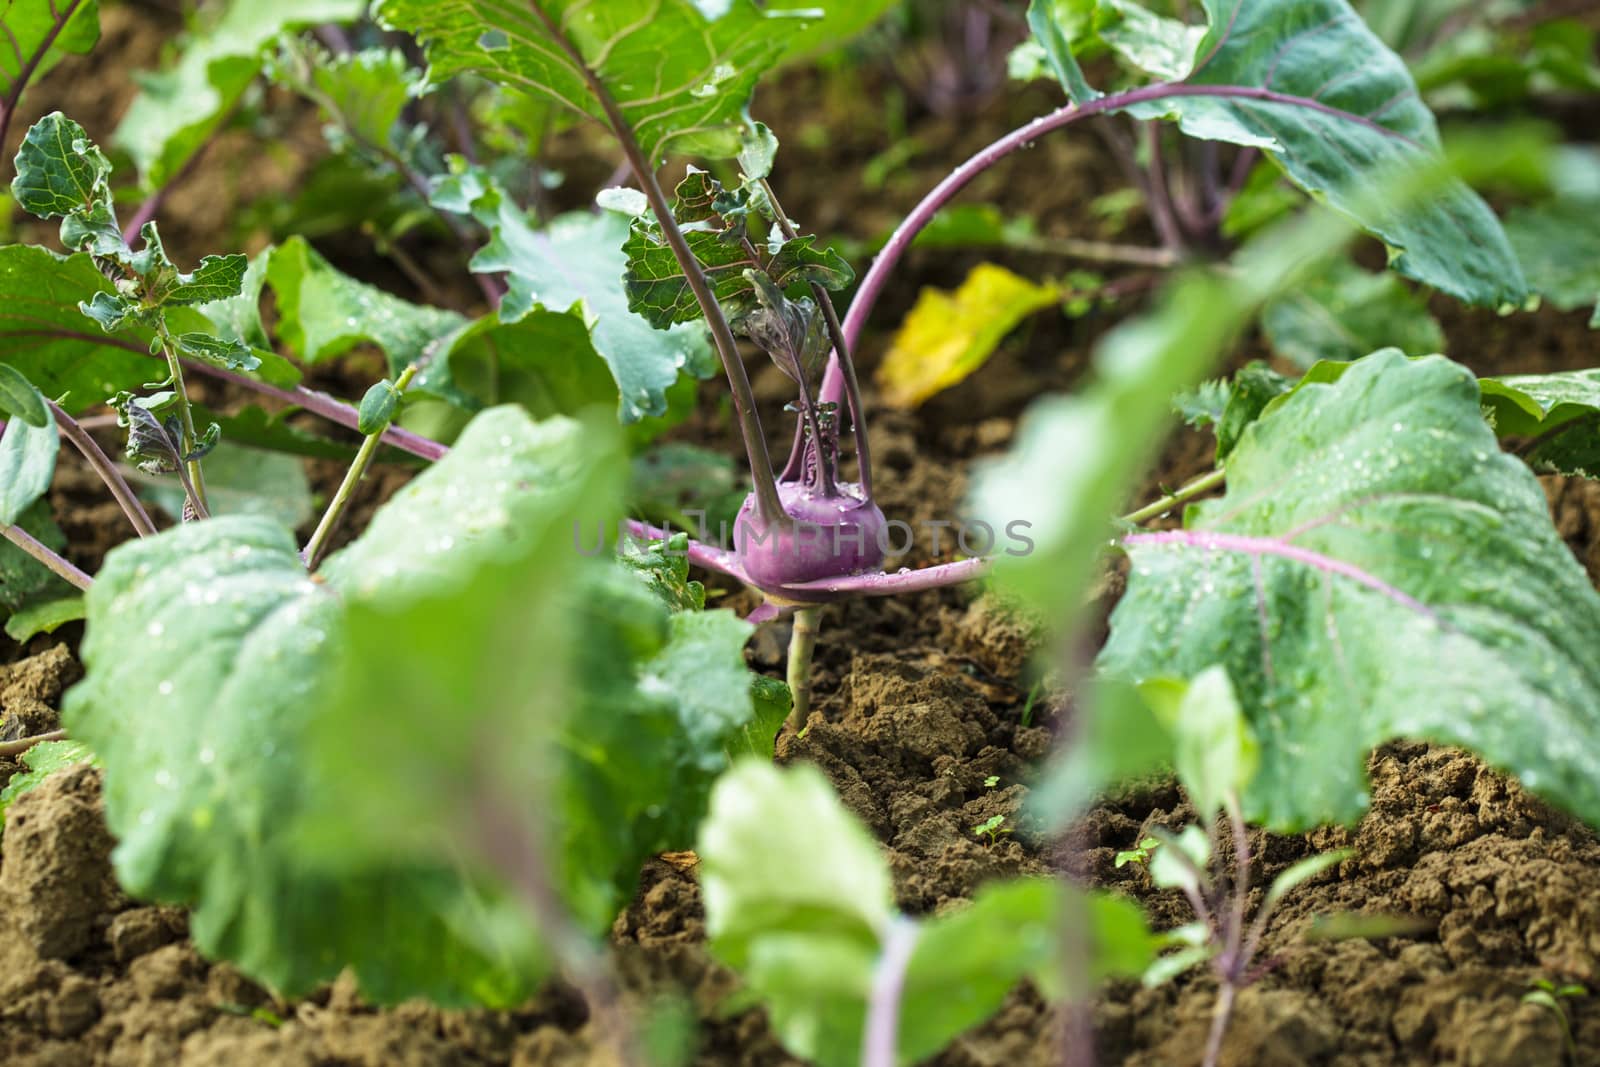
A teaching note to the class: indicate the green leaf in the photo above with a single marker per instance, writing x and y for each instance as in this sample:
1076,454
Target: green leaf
27,465
947,336
43,760
1181,861
1120,738
217,278
1558,243
44,617
1139,366
324,312
59,170
967,961
23,578
576,264
207,651
1324,98
1056,24
798,899
20,400
1213,748
234,355
363,92
663,567
40,33
753,879
1254,387
758,150
457,515
544,361
693,488
681,71
1377,569
179,108
1343,312
244,481
1558,412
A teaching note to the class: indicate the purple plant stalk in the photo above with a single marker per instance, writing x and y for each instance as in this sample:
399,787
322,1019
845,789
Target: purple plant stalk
41,552
880,1036
30,64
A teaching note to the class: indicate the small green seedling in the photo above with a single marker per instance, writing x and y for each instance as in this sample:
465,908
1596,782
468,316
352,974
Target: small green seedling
992,828
1137,854
991,781
1547,994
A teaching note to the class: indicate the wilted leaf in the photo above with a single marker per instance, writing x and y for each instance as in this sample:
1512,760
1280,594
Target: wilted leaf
947,336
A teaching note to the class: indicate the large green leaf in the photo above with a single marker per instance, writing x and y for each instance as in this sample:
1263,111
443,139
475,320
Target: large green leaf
681,71
1378,568
1558,242
46,337
503,474
324,312
23,578
39,33
1344,312
798,899
1308,83
207,650
179,108
243,481
576,264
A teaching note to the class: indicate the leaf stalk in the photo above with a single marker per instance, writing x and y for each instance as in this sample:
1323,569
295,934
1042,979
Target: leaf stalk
106,469
312,553
768,507
41,552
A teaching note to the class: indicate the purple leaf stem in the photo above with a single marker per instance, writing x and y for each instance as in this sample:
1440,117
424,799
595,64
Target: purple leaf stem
872,283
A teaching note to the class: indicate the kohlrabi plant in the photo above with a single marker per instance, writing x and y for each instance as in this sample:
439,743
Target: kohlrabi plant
438,750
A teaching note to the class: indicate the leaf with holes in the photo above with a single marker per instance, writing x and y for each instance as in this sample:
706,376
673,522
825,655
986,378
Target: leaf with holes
1377,569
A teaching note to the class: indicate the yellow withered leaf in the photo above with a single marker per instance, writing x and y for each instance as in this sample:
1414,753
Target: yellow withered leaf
948,335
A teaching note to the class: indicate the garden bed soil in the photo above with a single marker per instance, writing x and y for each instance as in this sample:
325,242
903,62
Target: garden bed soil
920,701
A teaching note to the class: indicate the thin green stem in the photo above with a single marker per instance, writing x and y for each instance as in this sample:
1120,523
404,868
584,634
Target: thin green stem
195,484
26,541
802,642
768,507
1199,487
73,431
312,554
